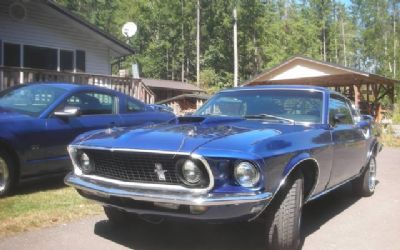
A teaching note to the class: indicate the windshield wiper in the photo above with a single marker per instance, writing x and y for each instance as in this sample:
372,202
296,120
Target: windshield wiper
267,116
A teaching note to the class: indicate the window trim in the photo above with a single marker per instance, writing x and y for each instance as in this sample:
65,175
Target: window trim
346,101
133,100
116,109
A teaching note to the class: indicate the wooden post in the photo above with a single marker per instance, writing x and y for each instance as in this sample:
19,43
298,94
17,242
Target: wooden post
356,89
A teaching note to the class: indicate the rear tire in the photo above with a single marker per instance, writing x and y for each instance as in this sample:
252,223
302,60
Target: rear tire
7,174
365,184
116,216
284,216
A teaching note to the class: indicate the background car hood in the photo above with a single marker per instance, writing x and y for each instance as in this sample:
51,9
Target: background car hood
188,135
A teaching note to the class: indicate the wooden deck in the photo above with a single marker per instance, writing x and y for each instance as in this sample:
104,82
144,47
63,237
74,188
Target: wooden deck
10,76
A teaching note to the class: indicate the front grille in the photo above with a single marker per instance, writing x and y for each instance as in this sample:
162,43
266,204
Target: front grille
134,166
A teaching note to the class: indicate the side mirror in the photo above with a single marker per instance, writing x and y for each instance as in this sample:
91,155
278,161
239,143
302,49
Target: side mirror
367,118
68,111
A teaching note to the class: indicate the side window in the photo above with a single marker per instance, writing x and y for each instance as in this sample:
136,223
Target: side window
93,103
134,106
338,105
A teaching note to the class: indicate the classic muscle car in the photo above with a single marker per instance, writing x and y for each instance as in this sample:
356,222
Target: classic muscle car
38,121
248,153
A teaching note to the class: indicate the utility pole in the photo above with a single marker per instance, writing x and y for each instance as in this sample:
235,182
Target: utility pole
198,45
235,49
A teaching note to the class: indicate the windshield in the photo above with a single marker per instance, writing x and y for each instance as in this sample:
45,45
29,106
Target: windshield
282,105
30,99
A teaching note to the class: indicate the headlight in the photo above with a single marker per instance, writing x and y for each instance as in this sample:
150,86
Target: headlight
86,164
191,173
246,174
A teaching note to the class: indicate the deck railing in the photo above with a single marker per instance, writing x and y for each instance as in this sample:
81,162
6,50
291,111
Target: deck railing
11,76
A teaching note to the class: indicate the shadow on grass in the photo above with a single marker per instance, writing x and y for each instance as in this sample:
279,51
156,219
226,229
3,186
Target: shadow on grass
173,235
46,184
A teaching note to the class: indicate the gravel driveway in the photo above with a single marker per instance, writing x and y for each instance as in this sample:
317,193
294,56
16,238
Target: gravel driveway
337,221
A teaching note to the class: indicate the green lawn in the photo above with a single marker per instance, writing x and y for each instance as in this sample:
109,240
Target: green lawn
34,209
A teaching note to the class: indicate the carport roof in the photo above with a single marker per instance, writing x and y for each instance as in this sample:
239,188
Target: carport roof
302,70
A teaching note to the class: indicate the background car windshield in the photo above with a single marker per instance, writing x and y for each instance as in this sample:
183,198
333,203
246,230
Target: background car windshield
297,105
31,99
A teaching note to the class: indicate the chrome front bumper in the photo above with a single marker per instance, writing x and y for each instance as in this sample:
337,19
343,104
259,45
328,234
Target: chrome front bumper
107,190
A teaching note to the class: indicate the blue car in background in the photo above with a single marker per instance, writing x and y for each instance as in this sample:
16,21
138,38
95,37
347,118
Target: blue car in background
38,121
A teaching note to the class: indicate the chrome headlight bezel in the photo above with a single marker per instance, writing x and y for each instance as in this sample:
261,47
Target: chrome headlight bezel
79,167
246,174
191,172
86,164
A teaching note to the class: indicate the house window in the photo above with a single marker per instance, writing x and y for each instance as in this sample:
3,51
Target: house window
80,61
40,57
12,55
66,60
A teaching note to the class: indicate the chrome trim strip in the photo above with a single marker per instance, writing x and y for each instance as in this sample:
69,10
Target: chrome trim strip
144,185
129,150
103,190
332,188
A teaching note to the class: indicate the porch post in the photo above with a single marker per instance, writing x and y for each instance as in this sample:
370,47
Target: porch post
21,59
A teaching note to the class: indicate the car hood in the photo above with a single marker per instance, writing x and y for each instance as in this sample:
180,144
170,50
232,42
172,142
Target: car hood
186,134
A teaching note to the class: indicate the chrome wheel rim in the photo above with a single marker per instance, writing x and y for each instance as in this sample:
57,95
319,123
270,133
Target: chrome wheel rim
4,174
372,175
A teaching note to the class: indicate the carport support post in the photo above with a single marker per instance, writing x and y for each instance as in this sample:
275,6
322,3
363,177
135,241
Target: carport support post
356,95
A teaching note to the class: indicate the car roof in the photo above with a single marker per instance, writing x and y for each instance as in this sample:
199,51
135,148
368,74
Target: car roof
73,86
288,87
285,87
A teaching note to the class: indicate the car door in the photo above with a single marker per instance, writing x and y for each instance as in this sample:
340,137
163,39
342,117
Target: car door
98,110
348,140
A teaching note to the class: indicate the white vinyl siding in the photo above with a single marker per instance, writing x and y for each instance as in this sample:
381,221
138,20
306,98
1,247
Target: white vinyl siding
46,27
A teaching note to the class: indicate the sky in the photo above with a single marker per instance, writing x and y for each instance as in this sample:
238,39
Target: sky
347,2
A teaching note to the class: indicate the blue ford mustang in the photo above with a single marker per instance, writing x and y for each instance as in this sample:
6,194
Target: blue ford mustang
251,152
38,121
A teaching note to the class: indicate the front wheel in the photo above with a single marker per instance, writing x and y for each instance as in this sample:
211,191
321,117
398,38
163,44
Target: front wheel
365,184
284,216
7,177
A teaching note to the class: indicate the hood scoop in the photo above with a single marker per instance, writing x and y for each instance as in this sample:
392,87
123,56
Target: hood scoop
190,119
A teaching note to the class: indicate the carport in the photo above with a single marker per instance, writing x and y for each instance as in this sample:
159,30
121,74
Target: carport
365,89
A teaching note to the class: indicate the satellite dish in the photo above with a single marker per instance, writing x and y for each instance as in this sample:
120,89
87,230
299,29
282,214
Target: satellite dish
129,29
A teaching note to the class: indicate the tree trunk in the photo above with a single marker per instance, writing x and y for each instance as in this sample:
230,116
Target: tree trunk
183,46
394,38
344,43
198,45
235,49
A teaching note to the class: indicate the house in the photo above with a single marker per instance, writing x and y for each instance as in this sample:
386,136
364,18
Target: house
365,89
185,103
43,41
166,89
